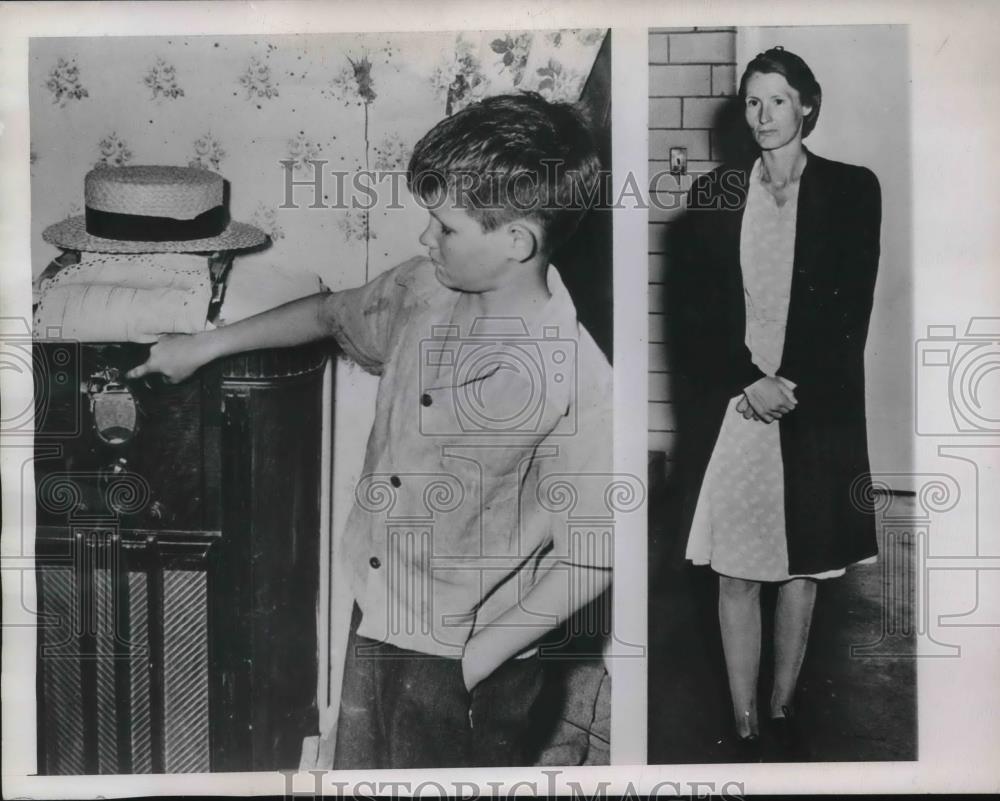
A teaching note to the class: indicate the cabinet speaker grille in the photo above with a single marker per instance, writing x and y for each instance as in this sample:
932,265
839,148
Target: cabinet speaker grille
123,659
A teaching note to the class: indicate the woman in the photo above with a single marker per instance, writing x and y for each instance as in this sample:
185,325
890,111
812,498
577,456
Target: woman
779,263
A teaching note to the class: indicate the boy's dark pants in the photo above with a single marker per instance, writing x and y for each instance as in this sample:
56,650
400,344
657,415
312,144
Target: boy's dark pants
403,709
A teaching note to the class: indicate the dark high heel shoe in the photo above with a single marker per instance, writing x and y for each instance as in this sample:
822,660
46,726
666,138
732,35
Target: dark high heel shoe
788,738
749,748
742,748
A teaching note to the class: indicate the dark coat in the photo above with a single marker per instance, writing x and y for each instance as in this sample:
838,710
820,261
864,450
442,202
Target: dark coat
824,448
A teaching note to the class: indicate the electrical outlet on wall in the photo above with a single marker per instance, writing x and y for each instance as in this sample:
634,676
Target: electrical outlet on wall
678,161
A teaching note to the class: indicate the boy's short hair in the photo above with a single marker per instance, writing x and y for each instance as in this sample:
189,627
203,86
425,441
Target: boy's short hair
510,157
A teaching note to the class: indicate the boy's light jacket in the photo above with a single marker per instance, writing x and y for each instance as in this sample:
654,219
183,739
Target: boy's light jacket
489,461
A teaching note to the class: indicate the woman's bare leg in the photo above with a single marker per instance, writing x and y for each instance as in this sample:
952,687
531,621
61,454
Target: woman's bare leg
739,619
792,619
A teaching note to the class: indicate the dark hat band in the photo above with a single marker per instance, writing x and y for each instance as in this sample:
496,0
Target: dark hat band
142,228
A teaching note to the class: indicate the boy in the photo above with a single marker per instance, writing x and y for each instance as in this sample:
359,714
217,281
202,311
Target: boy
493,409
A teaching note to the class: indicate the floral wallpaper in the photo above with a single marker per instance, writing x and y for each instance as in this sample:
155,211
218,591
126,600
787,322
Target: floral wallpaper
243,105
64,82
162,79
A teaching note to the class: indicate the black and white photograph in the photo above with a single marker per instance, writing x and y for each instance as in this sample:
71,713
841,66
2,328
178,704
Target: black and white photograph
322,340
779,385
499,399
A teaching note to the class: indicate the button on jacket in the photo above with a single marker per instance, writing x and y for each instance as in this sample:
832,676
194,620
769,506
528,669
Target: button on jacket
488,462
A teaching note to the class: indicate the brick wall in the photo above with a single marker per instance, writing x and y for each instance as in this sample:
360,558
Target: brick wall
692,75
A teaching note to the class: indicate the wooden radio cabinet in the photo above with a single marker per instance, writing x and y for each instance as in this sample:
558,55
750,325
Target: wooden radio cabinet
177,558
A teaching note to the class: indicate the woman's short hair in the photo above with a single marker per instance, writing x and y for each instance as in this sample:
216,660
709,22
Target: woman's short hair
798,75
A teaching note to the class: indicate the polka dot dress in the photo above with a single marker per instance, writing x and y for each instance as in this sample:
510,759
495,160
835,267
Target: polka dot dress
739,522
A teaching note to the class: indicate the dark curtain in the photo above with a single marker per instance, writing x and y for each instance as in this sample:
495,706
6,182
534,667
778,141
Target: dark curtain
585,261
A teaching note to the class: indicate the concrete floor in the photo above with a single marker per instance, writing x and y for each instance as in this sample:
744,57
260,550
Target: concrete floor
855,707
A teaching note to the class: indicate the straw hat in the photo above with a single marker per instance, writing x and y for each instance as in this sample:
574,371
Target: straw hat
153,209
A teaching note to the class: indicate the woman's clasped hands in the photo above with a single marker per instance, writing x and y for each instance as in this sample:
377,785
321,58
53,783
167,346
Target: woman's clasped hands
767,399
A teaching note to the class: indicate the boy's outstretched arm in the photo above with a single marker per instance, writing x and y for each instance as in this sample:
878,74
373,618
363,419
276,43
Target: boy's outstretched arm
177,356
560,592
